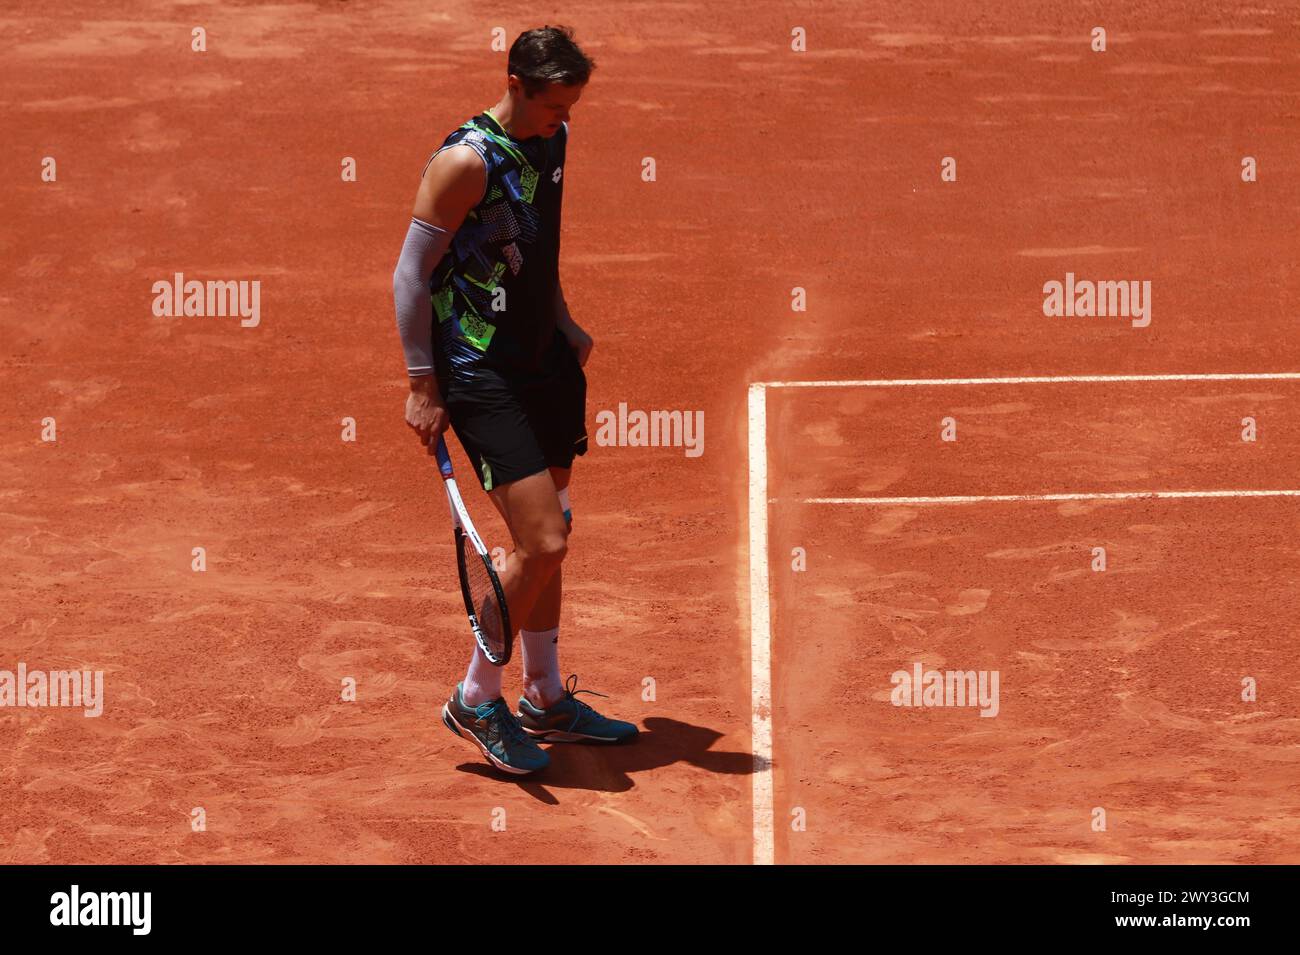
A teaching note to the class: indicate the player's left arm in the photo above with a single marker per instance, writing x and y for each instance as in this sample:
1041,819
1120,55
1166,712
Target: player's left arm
578,339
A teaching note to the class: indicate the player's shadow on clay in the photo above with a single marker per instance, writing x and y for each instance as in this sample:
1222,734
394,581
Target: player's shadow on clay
662,742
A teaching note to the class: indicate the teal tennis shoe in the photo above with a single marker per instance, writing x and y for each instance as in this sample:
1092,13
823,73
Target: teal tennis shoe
496,732
573,721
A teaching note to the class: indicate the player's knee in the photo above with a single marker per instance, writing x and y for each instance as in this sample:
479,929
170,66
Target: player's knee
548,550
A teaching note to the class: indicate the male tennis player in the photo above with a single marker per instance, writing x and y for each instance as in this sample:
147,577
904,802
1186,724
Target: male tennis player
504,368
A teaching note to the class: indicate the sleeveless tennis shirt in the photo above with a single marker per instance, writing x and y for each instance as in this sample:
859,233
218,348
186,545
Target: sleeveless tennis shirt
494,290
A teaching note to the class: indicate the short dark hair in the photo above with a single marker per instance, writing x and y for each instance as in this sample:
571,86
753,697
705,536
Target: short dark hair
548,55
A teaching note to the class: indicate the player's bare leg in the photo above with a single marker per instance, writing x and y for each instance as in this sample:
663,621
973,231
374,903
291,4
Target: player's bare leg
540,638
549,710
532,512
539,635
531,509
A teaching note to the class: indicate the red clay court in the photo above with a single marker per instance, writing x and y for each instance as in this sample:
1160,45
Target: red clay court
771,735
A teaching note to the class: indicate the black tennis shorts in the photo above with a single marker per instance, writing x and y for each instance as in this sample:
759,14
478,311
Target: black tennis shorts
513,425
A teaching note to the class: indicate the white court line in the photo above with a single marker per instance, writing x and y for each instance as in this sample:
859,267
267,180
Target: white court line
760,620
1003,498
760,631
1032,380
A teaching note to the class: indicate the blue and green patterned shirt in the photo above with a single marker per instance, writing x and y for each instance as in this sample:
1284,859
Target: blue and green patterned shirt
494,291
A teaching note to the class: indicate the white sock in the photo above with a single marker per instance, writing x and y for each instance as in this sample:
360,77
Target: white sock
482,680
542,662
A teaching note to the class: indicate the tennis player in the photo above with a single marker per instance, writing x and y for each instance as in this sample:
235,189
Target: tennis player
503,365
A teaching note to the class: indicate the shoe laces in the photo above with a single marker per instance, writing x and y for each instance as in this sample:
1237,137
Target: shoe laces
502,724
571,693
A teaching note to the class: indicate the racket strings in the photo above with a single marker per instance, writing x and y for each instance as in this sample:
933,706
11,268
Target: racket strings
484,595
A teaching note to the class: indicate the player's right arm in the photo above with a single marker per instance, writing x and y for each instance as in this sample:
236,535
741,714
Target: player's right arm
453,184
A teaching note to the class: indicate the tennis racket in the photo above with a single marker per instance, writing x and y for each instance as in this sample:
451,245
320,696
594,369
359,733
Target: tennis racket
485,601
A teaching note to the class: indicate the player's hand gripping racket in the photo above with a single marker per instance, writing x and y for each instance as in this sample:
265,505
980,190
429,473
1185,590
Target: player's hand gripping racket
485,601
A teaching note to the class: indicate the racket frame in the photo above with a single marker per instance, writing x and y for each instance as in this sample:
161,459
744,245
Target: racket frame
463,527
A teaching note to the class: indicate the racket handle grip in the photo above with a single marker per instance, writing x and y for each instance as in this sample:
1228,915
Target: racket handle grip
444,459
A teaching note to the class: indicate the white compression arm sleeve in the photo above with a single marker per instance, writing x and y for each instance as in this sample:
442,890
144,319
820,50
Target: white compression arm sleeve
424,247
